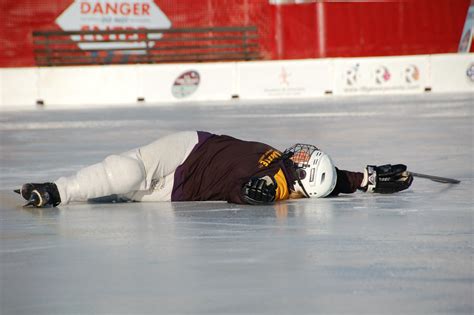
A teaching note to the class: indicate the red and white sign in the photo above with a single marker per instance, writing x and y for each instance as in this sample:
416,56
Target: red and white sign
113,15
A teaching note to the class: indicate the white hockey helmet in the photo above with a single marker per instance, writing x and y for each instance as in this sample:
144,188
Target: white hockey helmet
316,173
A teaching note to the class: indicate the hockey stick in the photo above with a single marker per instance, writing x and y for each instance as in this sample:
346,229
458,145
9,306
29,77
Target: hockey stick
438,179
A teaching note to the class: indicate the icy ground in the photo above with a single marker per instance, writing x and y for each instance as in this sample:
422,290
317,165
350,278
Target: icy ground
407,253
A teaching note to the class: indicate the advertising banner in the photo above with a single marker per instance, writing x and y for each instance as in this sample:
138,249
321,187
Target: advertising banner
284,79
186,82
389,75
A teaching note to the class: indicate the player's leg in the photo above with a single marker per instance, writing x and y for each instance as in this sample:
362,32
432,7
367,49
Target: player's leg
160,190
161,158
117,174
136,170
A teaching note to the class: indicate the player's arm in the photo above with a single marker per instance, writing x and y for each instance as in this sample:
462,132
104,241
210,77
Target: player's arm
383,179
347,182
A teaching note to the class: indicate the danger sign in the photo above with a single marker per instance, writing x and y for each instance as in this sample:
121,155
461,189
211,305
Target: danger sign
113,15
123,8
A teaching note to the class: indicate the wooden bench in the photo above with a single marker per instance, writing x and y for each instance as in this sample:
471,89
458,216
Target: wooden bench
98,47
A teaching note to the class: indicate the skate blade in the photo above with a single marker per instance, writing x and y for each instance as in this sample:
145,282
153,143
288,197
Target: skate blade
35,200
30,204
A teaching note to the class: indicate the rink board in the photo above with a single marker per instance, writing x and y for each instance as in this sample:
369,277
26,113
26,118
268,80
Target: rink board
93,86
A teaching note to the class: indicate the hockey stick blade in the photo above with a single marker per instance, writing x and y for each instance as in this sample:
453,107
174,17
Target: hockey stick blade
438,179
17,191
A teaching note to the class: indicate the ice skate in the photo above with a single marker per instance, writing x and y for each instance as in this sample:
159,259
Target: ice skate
40,195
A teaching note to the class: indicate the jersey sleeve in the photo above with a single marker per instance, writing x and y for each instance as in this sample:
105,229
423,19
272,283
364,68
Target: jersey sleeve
347,182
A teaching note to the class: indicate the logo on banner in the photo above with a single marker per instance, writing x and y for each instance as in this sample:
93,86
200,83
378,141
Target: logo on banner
412,74
284,75
186,84
382,75
470,72
352,75
101,15
285,86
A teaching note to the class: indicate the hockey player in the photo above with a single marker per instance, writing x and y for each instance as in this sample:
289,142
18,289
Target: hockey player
189,166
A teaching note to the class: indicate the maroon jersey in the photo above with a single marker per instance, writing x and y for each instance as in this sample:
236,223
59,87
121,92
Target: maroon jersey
219,166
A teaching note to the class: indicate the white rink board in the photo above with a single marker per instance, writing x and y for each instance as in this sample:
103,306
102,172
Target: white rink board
18,86
284,79
452,73
387,75
260,80
92,85
186,82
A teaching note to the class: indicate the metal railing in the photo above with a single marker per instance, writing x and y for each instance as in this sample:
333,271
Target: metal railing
92,47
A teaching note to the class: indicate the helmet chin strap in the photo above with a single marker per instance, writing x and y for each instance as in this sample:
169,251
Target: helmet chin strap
298,185
301,187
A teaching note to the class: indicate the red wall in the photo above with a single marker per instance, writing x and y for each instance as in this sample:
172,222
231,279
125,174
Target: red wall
286,32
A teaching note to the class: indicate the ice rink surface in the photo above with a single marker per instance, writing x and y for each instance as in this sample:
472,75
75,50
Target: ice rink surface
406,253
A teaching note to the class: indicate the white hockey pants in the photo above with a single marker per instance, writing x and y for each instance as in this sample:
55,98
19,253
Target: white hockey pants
143,174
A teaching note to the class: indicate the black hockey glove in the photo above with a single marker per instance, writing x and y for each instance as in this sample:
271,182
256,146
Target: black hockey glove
258,191
387,179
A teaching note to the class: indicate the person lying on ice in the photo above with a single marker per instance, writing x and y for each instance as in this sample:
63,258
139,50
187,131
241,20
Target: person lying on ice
190,166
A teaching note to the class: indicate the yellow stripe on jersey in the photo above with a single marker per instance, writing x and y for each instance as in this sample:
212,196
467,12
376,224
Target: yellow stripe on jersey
282,187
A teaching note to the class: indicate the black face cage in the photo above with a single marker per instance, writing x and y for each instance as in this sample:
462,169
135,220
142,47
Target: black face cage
300,154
